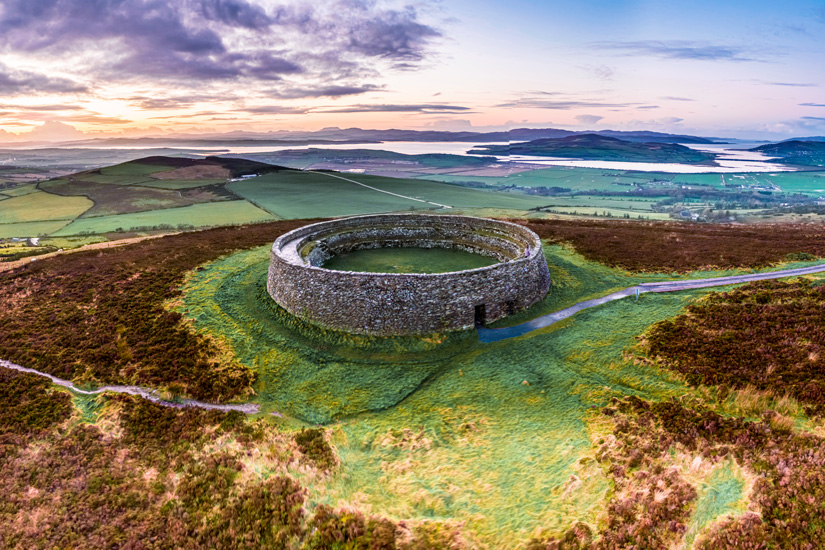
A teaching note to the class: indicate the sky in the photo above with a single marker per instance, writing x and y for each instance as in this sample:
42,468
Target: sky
73,69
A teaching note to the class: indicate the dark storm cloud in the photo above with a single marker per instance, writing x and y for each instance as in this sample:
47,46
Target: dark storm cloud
216,40
428,108
23,82
676,49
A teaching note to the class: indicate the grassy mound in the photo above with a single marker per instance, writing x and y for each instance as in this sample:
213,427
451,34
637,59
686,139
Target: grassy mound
445,427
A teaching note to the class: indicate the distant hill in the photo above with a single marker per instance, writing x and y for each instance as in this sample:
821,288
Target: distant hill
809,138
810,152
598,147
358,135
345,156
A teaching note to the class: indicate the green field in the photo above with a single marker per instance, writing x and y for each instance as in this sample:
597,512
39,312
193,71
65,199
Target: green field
408,260
130,190
295,195
449,428
19,191
40,206
29,229
576,179
197,215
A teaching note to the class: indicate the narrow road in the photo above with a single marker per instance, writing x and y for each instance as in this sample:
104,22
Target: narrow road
495,334
247,408
381,190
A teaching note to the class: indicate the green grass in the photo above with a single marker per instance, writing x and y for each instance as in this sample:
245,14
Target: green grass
21,190
451,195
446,427
197,215
295,195
408,260
576,179
30,229
41,206
721,494
72,242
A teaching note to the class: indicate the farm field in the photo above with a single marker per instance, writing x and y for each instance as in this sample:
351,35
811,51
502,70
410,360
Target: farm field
151,192
187,217
40,206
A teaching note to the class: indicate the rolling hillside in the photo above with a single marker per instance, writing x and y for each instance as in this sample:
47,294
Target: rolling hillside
598,147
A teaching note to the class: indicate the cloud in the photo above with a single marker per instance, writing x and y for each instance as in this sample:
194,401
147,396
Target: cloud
587,120
52,130
676,98
789,84
397,35
40,108
322,91
18,82
188,115
175,102
602,72
647,107
424,108
274,110
812,104
236,13
188,42
817,118
563,105
675,49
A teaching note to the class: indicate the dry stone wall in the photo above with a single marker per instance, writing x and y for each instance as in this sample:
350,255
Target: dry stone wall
387,304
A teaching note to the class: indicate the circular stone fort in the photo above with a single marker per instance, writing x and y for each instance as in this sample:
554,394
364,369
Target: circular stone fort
390,304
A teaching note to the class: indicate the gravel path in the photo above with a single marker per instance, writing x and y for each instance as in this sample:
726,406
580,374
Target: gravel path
247,408
496,334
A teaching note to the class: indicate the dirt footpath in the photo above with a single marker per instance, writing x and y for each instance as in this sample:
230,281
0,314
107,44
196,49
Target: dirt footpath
6,266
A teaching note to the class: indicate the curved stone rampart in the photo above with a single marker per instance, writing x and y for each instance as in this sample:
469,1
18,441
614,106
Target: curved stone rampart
407,303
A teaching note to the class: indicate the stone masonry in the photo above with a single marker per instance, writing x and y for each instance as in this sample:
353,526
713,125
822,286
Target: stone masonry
387,304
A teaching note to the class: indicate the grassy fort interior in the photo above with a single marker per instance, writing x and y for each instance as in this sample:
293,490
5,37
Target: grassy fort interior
407,260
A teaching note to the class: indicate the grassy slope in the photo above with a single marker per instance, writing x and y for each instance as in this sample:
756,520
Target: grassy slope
596,147
436,429
196,215
447,428
40,206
